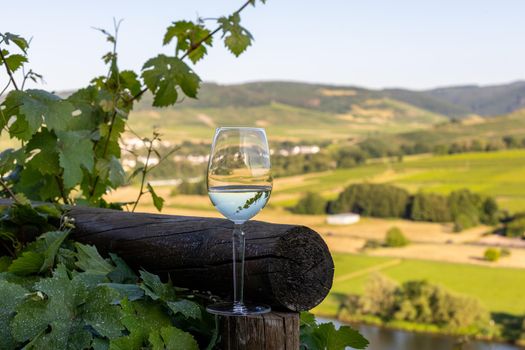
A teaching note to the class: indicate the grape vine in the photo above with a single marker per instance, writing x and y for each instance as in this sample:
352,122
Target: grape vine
59,294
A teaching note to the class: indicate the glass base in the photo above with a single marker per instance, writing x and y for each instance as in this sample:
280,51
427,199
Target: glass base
237,309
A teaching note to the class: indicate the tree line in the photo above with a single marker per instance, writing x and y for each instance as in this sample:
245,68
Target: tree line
332,156
462,207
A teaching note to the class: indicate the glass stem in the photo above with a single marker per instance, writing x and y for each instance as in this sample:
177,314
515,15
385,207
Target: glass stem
238,265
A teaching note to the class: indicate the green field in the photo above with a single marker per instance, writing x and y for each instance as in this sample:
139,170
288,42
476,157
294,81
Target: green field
500,174
498,289
481,129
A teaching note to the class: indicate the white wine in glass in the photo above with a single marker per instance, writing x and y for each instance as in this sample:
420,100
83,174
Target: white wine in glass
239,186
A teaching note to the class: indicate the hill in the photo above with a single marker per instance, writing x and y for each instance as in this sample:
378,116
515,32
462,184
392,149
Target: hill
483,100
454,102
291,120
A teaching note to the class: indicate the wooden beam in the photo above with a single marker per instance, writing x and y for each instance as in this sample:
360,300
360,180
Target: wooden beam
287,266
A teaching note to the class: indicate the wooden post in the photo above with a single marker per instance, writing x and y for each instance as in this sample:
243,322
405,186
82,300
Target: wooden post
272,331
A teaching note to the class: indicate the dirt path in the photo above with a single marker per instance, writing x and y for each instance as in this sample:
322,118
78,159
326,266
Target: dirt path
455,253
368,270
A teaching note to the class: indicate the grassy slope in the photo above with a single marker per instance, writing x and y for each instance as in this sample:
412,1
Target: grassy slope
485,129
285,121
498,289
500,174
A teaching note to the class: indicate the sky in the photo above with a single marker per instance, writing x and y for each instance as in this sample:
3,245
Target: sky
371,43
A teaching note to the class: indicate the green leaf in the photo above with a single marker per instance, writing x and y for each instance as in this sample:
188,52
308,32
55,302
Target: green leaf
140,318
90,261
158,202
154,288
86,101
27,264
122,272
307,319
50,210
113,147
237,43
172,338
38,106
11,295
345,336
15,61
37,186
325,336
9,158
331,339
187,308
117,175
53,241
236,38
130,291
29,320
22,213
26,203
16,39
180,30
35,315
46,160
129,80
99,313
5,261
162,75
190,36
75,152
20,129
63,310
100,344
132,341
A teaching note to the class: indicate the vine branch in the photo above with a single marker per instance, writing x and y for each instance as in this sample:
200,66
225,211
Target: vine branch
104,152
60,185
8,190
144,173
198,44
9,73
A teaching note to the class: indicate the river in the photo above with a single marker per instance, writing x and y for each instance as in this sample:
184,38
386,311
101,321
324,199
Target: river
392,339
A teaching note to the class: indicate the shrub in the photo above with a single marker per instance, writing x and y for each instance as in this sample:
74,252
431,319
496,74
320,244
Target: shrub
492,254
395,238
489,211
505,252
372,244
310,203
516,228
379,297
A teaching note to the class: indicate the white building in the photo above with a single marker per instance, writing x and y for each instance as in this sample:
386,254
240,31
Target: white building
343,219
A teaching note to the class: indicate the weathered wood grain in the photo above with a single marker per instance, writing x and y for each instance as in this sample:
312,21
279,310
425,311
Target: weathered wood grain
288,267
272,331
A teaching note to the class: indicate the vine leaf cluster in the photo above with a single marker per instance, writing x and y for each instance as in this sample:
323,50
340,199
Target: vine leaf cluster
69,146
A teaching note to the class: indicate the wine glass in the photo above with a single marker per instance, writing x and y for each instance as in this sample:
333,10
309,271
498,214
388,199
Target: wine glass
239,185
